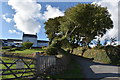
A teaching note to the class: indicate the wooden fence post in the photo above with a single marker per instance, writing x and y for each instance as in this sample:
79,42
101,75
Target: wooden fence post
37,63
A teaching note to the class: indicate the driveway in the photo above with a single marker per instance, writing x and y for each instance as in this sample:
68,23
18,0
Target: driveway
97,71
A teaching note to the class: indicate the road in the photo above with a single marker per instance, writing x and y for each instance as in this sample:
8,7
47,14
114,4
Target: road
98,71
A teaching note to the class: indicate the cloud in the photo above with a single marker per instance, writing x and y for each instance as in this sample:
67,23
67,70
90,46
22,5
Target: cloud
13,31
112,6
6,19
27,15
52,12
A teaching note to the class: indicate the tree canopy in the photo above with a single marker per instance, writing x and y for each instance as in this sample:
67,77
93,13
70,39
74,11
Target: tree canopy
80,24
52,27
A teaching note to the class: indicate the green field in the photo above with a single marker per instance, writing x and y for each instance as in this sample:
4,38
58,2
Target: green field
26,52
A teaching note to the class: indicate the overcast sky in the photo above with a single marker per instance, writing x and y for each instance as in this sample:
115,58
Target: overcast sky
28,16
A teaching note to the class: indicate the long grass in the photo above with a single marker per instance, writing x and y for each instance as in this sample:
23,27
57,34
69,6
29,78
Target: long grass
28,51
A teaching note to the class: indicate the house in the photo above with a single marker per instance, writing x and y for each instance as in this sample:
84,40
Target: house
42,43
25,38
30,38
13,42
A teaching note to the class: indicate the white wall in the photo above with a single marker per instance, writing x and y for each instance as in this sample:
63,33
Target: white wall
14,43
30,39
10,43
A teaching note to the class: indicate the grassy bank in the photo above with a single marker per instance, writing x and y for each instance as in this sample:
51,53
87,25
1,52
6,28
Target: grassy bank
99,55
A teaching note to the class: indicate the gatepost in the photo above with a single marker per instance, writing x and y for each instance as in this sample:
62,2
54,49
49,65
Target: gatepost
37,63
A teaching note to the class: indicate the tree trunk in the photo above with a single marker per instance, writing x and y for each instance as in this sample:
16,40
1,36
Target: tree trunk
88,45
72,50
50,42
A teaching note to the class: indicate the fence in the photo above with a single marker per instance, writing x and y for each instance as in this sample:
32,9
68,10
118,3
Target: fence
14,67
60,66
44,62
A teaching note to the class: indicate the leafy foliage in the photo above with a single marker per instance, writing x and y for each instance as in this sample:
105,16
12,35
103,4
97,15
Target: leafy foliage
52,28
27,45
90,20
79,25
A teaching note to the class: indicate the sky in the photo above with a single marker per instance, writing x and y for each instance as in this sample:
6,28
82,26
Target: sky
28,16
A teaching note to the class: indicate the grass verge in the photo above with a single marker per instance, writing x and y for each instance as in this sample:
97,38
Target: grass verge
28,51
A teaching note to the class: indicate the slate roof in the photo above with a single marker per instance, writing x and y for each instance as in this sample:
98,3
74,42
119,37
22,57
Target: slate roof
42,41
30,35
11,40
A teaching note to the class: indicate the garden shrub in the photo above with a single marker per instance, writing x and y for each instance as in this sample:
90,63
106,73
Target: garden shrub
44,47
27,45
13,46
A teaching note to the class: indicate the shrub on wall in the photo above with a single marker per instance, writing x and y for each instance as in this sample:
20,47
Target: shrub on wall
27,45
44,47
51,51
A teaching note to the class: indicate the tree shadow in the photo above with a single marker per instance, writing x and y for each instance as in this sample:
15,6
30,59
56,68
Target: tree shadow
89,68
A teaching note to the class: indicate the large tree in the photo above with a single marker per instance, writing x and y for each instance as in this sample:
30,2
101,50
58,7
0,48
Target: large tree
80,24
90,20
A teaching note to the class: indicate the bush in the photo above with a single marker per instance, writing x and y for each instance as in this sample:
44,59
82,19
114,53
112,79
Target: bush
118,46
44,47
6,47
27,45
13,46
52,51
